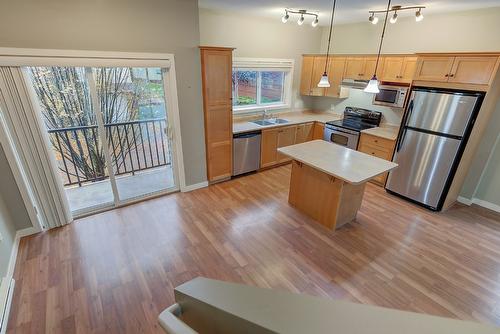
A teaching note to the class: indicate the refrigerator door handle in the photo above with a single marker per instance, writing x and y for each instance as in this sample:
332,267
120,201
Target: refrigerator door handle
401,139
408,114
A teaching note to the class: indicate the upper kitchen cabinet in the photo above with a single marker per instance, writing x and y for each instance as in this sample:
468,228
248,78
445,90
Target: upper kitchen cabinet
399,69
313,68
361,68
216,70
433,68
317,72
306,75
473,70
336,66
477,70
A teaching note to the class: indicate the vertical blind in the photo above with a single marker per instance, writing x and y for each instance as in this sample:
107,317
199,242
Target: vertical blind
30,142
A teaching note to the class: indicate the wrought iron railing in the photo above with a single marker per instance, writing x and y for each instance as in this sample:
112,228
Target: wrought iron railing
133,145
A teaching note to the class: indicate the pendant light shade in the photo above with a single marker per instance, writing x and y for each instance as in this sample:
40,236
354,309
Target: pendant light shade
372,86
323,82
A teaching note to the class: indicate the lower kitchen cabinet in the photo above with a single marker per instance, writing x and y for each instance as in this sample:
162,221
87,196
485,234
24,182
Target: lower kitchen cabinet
287,135
304,132
269,148
272,139
378,147
318,130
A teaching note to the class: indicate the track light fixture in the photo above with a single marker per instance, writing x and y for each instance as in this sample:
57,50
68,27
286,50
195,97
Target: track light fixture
285,17
418,14
301,19
394,17
373,19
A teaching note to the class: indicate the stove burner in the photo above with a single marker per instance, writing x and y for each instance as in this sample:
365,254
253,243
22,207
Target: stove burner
358,119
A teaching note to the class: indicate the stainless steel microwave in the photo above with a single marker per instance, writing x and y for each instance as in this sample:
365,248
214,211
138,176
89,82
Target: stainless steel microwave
391,96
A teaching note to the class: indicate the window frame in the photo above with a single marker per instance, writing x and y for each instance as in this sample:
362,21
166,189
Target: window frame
266,65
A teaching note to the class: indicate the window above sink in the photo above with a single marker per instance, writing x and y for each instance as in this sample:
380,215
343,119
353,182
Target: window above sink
261,84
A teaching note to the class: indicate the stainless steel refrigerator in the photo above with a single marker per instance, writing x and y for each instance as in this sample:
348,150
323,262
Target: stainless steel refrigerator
435,129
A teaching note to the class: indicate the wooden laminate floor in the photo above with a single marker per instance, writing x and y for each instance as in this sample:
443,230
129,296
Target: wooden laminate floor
114,272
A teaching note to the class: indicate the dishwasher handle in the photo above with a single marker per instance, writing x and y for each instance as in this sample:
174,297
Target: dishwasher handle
246,135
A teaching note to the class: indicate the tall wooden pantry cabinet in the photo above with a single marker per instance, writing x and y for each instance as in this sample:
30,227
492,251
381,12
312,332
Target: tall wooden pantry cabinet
216,74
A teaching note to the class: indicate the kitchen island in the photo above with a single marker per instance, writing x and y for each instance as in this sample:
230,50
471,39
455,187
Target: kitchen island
328,180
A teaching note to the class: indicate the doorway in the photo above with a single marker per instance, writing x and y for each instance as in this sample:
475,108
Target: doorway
110,131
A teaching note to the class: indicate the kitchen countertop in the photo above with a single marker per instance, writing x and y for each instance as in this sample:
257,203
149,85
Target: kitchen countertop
384,131
244,124
348,165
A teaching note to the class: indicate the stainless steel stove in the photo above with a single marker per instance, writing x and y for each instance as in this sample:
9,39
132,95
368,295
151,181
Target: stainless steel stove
346,131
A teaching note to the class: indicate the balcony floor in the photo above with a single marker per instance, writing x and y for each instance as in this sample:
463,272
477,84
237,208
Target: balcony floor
99,194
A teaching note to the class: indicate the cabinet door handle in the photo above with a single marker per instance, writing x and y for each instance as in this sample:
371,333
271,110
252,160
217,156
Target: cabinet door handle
446,75
452,75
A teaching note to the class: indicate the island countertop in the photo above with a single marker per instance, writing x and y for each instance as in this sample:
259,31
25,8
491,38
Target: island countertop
343,163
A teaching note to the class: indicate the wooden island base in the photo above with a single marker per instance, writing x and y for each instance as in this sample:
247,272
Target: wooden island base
327,199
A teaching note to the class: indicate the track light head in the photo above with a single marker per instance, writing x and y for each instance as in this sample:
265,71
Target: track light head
285,17
394,17
418,15
373,19
315,22
300,21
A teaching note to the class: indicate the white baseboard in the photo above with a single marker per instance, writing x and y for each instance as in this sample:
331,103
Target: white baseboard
6,293
487,205
464,200
480,202
13,253
194,186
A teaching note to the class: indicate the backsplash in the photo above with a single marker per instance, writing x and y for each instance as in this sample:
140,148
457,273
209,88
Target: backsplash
360,99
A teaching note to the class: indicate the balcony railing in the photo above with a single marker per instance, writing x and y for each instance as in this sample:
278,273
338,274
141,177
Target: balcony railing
134,146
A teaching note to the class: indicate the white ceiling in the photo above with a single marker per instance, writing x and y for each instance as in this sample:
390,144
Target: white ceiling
346,10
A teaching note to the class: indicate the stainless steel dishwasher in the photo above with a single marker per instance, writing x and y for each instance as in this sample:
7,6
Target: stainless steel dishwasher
246,152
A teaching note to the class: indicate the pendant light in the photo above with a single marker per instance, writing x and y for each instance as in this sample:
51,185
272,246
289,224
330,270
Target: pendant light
372,86
324,82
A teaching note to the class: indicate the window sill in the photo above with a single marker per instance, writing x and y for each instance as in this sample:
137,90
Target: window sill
250,109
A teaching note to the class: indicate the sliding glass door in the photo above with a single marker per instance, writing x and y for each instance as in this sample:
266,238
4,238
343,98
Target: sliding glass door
109,132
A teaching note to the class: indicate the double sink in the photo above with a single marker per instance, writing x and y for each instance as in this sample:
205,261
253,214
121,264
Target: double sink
270,121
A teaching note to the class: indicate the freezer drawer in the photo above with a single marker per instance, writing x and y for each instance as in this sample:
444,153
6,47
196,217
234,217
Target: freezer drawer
246,152
425,162
442,112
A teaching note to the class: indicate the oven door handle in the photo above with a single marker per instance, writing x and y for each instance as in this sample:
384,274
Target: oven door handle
341,131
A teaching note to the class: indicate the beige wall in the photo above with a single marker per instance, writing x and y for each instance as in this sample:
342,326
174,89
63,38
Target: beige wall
489,186
169,26
475,30
261,38
483,179
13,214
